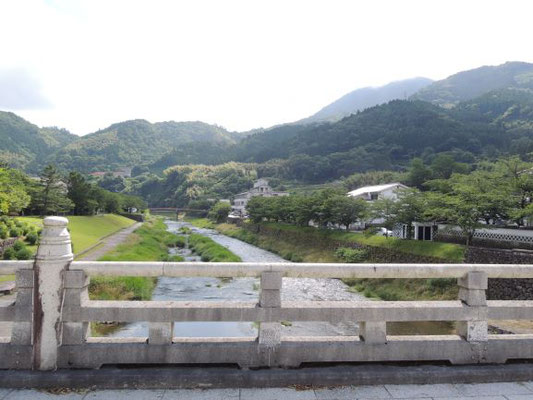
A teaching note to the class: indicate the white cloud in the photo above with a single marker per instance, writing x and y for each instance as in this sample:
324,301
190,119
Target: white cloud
242,63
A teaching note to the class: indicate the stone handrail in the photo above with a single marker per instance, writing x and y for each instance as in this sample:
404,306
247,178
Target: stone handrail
52,312
299,270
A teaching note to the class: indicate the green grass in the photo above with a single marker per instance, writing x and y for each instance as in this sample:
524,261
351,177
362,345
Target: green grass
210,250
86,231
200,222
149,242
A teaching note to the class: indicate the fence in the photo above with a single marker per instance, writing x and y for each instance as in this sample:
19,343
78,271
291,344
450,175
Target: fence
52,312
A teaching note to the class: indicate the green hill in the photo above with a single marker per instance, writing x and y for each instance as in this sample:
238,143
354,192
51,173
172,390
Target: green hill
467,85
26,146
137,142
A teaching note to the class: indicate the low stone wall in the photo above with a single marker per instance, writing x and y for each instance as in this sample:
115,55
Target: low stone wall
504,289
384,255
135,217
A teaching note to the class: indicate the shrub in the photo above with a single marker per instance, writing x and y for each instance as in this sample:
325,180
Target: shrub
23,254
9,254
32,238
351,255
18,245
15,232
3,232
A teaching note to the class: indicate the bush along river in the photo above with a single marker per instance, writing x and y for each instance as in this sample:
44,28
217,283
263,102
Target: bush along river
245,289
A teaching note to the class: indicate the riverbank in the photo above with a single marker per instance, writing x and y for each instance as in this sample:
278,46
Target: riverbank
149,242
299,244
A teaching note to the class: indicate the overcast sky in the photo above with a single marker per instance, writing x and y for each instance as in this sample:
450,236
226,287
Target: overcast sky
83,65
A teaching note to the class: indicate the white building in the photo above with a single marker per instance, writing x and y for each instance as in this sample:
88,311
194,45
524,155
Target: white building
371,193
261,188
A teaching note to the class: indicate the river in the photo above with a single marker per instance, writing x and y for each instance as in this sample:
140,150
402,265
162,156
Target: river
215,289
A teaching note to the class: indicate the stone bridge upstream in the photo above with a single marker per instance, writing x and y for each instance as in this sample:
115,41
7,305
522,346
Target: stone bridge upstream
52,312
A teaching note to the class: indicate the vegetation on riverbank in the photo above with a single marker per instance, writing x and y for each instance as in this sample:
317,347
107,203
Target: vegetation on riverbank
315,245
200,222
150,242
209,250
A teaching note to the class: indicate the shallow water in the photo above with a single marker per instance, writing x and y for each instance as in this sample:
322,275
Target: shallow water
242,289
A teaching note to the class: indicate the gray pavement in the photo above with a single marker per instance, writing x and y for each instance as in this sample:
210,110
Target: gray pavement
481,391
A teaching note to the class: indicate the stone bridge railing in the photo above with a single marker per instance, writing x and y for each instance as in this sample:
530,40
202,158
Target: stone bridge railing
52,312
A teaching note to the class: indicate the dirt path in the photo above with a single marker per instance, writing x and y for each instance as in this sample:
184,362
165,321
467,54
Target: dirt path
109,243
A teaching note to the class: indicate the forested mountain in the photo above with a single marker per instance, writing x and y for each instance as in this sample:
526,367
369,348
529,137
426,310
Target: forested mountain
25,146
363,98
469,84
137,142
381,137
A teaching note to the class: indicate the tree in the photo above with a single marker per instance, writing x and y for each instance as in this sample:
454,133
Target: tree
385,209
418,173
470,199
409,207
80,192
50,196
346,210
219,212
13,194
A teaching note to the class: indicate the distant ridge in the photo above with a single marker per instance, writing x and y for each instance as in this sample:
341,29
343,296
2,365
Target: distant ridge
367,97
469,84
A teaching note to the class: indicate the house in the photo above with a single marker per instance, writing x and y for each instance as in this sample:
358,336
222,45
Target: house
371,193
260,188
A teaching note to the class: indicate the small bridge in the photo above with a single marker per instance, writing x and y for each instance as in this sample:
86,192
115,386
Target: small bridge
52,312
176,210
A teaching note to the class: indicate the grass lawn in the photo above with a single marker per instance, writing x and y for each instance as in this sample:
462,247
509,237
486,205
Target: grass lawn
86,231
446,251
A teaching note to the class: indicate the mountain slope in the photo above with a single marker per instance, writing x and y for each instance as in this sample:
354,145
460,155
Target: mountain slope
26,146
379,138
136,142
363,98
467,85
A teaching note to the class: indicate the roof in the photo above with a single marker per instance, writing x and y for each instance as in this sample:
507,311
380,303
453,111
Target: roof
373,189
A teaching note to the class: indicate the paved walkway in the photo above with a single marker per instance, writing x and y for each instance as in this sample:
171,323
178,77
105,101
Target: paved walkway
108,244
482,391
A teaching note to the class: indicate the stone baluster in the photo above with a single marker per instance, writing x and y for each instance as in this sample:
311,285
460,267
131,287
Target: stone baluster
76,294
160,332
54,255
373,332
270,298
472,292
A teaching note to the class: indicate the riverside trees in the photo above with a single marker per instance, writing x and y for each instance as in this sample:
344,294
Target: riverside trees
323,207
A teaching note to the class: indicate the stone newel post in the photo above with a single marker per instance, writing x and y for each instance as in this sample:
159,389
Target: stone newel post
53,258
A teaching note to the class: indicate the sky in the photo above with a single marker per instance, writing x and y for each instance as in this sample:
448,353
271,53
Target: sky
240,64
